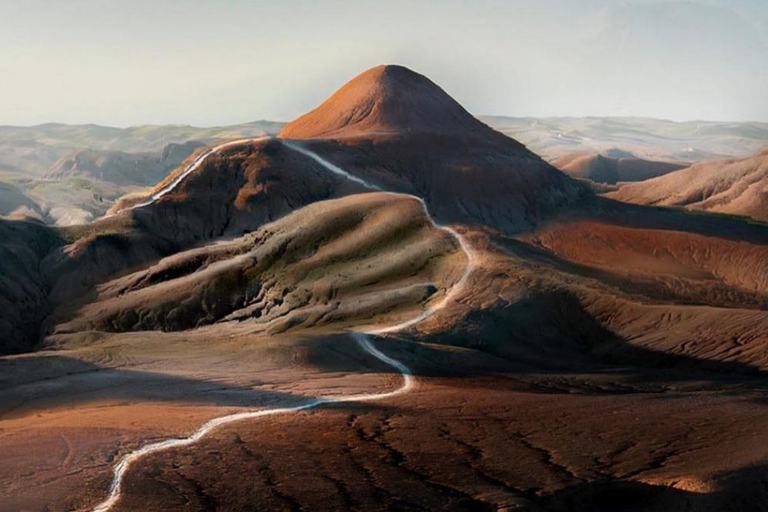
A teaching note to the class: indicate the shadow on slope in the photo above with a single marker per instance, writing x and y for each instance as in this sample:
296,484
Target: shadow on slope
743,490
546,342
23,288
653,288
730,227
39,382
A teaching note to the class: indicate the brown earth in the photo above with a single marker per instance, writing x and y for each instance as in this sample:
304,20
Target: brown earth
551,383
726,186
605,169
399,131
467,173
389,100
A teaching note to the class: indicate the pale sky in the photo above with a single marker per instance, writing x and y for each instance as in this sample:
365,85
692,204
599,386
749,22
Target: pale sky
222,62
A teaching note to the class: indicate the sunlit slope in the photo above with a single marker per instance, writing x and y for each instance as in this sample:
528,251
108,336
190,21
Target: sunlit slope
360,259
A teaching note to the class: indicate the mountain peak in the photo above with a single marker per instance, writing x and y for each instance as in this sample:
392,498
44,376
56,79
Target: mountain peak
387,100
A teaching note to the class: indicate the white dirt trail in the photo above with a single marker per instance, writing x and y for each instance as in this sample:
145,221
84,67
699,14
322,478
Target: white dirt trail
189,169
123,465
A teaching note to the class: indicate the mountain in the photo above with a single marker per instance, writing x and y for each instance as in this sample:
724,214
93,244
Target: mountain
463,169
607,169
380,130
387,100
399,131
726,186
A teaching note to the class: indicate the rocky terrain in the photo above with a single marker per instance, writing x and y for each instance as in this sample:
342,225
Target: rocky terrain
471,174
327,263
534,346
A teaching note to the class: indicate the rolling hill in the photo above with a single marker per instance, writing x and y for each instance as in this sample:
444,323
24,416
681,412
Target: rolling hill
607,169
401,132
737,187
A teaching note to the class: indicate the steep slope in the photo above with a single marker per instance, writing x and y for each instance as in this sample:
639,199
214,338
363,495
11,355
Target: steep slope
727,186
237,190
606,169
398,130
387,100
23,290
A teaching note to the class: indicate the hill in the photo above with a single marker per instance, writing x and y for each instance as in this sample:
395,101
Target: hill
607,169
387,100
399,131
329,263
726,186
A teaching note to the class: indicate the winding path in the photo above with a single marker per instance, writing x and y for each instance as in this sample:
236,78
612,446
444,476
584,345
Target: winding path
190,168
125,462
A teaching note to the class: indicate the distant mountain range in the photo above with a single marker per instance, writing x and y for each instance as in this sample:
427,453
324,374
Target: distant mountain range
657,139
69,174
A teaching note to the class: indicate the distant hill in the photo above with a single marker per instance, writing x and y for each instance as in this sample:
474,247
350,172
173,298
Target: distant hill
69,174
388,100
726,186
119,167
655,139
400,131
15,204
34,149
83,184
607,169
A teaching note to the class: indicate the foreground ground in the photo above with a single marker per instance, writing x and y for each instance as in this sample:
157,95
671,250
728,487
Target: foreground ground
483,438
535,421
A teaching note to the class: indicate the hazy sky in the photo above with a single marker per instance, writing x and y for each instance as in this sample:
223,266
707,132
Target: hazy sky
228,61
